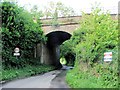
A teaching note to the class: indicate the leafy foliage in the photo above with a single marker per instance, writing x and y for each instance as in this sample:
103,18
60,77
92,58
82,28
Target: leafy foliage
28,70
36,13
60,8
101,76
57,9
66,48
98,33
67,51
18,30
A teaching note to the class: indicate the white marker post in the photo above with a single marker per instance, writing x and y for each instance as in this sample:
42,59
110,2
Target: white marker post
107,56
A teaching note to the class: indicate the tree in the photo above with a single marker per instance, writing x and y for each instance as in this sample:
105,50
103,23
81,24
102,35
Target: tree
18,30
98,33
36,13
58,9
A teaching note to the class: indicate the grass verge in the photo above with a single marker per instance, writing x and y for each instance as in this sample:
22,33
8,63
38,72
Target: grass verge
29,70
101,76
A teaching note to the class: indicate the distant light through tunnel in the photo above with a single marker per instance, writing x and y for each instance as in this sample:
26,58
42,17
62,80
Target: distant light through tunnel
55,39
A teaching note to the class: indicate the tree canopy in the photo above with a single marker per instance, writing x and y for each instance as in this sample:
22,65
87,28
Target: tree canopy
97,34
58,8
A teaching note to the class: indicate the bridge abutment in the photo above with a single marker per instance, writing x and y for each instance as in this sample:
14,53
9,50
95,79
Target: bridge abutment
49,53
50,56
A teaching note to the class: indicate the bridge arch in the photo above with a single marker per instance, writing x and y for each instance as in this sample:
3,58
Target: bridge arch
56,38
67,25
51,50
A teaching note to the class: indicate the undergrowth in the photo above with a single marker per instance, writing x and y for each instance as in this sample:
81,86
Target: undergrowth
28,70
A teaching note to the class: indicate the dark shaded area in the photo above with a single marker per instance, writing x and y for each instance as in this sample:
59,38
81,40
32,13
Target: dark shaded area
59,81
55,39
70,58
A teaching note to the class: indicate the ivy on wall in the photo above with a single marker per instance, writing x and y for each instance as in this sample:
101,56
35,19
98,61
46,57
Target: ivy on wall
18,30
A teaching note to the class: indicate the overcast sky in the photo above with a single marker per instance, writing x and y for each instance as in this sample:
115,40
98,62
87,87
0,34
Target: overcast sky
77,5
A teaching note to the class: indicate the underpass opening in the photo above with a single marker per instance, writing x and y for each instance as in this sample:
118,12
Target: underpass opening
67,52
70,59
54,40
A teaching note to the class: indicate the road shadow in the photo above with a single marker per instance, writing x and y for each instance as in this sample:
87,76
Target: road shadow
59,81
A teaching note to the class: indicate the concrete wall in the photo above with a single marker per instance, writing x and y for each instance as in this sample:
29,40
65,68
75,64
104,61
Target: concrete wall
45,55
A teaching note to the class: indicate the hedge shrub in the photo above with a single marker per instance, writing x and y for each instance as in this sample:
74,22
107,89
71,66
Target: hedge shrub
98,33
18,30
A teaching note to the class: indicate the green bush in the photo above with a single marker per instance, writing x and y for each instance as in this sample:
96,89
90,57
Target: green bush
66,48
98,33
28,70
18,30
67,51
101,76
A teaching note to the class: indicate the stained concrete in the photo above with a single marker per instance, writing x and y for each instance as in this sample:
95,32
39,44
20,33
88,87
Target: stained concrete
51,50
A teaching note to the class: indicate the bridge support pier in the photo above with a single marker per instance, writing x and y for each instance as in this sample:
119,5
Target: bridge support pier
50,56
45,54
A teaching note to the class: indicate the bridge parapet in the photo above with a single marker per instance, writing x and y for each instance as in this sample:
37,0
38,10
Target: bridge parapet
70,19
67,28
62,20
67,24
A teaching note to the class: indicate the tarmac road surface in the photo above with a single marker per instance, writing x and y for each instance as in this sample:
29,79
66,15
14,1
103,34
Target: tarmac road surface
53,79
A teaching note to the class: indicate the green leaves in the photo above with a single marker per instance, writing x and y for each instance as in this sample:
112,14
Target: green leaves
18,30
26,71
98,33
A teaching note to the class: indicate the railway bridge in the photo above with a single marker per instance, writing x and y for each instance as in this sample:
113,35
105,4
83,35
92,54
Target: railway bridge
49,53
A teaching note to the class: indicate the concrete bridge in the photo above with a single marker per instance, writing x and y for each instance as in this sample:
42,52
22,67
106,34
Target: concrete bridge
49,53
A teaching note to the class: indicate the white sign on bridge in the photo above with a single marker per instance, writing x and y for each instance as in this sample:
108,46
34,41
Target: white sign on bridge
108,56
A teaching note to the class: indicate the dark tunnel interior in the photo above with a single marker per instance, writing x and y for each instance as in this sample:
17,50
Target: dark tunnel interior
54,40
57,38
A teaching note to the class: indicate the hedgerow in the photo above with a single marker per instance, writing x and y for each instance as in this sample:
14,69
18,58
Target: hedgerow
18,30
27,71
98,33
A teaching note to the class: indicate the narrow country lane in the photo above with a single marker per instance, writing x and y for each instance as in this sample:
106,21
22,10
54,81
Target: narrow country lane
53,79
59,81
40,81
